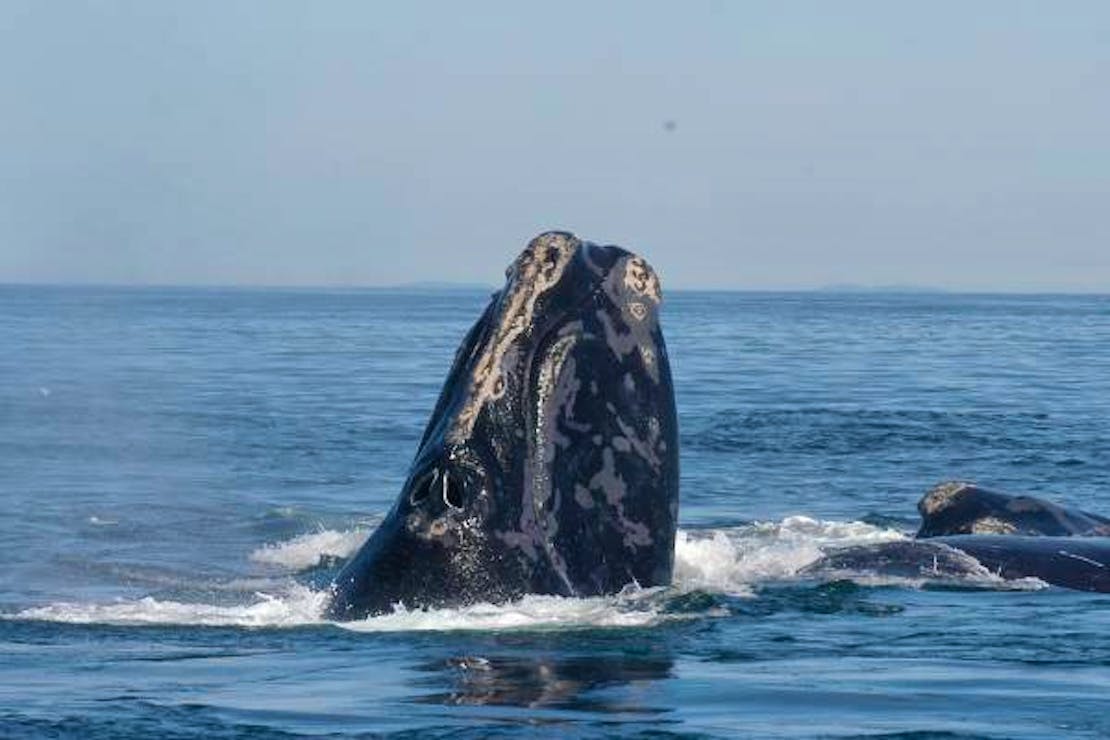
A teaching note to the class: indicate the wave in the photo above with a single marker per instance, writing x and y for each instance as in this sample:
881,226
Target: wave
731,561
836,431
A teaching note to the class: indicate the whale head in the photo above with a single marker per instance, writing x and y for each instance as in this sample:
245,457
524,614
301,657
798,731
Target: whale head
550,461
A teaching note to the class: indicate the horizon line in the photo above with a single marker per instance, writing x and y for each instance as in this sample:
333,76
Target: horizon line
449,286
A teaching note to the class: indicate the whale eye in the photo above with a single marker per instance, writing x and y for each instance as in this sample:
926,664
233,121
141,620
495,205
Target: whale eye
424,488
452,492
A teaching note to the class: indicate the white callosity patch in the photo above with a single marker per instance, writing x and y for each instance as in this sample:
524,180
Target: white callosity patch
992,525
942,496
537,270
634,287
641,280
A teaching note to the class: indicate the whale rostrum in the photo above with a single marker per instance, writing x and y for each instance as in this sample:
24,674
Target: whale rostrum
550,462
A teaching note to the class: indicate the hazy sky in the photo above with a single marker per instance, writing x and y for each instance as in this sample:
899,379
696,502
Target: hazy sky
957,144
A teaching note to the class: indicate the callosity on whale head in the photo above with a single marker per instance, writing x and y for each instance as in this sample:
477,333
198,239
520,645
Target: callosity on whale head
550,462
956,508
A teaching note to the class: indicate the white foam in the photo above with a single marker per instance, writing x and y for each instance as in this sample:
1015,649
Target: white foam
633,608
828,532
302,606
298,606
729,560
732,560
308,551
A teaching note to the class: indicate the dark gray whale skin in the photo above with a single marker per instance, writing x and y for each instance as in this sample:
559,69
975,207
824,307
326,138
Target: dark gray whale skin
1080,563
550,462
899,558
964,508
1011,536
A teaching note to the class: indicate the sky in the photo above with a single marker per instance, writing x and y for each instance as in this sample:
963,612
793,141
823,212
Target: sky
782,144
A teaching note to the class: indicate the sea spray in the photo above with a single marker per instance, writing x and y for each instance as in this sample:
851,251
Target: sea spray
730,561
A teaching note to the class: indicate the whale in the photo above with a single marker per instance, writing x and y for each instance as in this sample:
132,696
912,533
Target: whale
957,507
550,465
967,530
1076,563
550,461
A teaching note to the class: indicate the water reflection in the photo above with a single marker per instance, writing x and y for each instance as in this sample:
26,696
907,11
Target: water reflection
607,683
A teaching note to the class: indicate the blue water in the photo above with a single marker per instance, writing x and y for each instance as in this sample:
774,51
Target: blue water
182,470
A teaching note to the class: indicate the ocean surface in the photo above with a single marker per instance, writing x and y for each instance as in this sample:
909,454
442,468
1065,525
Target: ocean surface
182,470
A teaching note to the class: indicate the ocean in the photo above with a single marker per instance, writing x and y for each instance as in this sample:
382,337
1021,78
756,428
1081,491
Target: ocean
183,470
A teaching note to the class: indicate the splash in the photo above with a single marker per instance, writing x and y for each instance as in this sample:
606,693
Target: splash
632,608
301,607
308,551
732,561
296,607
